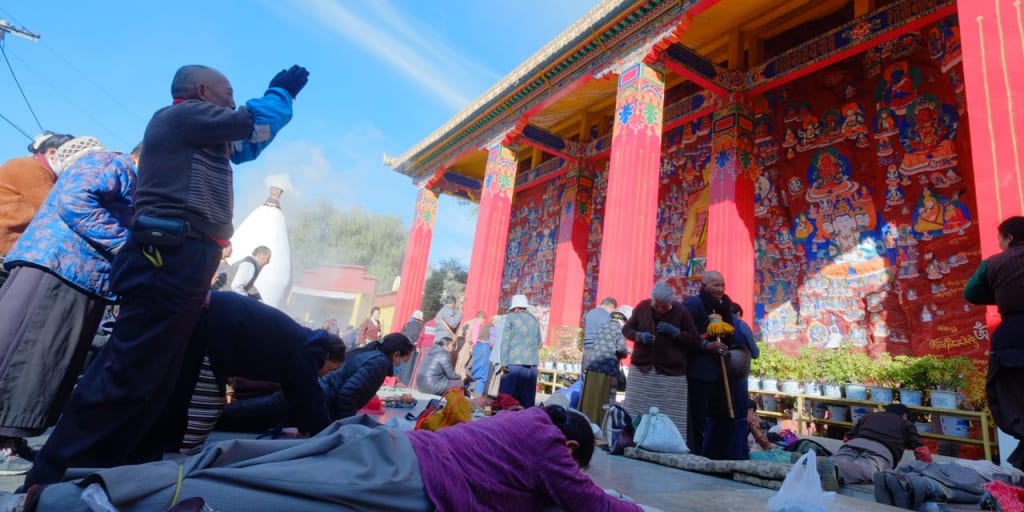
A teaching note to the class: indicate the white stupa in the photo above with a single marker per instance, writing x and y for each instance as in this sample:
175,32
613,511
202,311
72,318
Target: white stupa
266,226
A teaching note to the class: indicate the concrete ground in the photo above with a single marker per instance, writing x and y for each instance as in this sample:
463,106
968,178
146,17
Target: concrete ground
666,488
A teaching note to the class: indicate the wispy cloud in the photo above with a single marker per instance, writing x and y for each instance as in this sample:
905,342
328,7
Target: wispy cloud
419,53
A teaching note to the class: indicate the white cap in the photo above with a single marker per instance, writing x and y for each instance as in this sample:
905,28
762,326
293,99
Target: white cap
519,301
418,315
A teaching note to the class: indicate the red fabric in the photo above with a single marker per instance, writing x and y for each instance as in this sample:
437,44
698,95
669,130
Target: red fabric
374,406
1009,497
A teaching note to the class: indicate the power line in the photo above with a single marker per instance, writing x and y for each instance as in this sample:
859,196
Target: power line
3,52
16,127
11,16
67,98
95,84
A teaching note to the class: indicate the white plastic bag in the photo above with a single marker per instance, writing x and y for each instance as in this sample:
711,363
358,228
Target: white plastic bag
801,490
657,433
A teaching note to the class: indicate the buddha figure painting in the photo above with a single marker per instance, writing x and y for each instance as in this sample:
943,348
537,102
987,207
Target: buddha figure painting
927,134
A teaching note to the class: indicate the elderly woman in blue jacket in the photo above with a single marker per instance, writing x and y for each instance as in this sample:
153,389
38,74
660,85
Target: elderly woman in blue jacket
59,286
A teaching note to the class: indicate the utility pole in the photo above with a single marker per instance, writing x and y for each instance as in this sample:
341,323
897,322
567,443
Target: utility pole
7,28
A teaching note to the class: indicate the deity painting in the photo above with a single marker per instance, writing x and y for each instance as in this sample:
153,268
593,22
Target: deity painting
955,218
762,127
809,131
894,195
789,139
884,123
853,121
831,126
898,87
829,175
803,228
944,43
927,134
792,113
928,215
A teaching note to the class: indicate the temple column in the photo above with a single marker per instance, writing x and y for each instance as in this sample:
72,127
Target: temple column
631,207
992,44
487,262
730,228
570,272
417,252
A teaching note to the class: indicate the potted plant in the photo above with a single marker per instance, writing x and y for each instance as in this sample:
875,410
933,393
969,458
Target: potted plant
948,375
915,378
789,374
885,375
766,366
807,368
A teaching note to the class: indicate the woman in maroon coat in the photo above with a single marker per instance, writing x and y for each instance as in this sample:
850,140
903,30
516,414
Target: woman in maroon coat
664,333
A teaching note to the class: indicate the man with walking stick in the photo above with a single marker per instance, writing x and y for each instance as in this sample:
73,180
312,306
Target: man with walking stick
713,391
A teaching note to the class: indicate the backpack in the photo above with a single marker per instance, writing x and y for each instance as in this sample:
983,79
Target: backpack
617,429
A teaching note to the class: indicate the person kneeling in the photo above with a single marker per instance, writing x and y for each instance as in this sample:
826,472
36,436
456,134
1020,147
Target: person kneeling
437,374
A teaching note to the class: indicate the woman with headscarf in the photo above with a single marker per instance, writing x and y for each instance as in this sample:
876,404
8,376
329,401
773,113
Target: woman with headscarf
664,334
59,285
999,280
601,374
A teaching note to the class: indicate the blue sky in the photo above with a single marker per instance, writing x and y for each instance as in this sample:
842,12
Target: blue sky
383,74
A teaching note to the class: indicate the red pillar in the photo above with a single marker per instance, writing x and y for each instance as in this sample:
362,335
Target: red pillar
631,209
992,43
483,285
730,239
570,272
417,251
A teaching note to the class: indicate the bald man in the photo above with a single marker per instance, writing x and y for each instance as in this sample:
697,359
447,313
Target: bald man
182,219
713,433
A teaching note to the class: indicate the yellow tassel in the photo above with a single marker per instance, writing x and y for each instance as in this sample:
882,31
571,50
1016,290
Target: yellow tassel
717,327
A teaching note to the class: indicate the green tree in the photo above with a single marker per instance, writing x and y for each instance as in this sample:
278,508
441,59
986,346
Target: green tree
448,279
322,233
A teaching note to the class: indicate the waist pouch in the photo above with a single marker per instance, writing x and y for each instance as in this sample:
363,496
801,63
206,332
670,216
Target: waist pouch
160,231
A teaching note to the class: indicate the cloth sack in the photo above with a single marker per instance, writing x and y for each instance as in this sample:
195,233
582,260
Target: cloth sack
656,433
801,490
737,362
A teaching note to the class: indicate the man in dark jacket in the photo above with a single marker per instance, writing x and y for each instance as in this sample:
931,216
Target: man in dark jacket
709,414
437,374
345,390
876,444
412,330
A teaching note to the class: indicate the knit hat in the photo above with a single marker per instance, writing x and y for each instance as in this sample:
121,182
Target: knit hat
662,292
75,148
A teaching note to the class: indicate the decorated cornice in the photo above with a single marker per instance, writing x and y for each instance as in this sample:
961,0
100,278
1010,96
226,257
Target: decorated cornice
875,28
550,67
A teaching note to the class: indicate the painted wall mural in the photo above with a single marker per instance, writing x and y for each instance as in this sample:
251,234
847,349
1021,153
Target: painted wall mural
683,198
864,203
530,256
600,193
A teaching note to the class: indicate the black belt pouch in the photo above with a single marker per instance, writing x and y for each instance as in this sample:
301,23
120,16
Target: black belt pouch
159,231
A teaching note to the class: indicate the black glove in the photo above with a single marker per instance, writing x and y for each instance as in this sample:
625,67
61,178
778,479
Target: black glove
667,328
644,337
292,80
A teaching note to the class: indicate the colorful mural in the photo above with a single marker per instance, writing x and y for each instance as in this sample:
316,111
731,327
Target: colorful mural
683,204
600,193
864,208
530,257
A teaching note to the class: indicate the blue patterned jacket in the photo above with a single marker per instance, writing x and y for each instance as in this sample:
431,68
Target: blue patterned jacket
82,224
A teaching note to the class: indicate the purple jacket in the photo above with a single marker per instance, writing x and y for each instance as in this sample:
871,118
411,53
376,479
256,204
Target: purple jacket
513,461
82,224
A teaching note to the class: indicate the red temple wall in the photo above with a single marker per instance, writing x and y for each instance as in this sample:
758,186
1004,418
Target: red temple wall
865,206
600,193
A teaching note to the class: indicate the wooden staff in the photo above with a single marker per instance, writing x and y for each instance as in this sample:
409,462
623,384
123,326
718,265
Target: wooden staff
725,380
